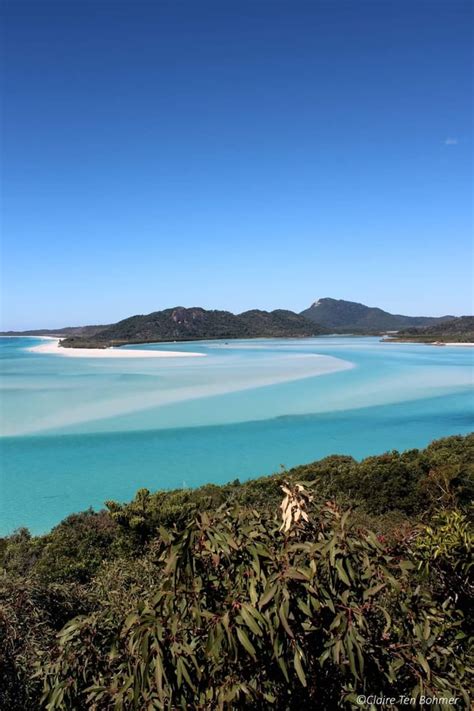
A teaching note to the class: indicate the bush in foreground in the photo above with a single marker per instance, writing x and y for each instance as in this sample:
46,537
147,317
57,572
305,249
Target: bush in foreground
244,615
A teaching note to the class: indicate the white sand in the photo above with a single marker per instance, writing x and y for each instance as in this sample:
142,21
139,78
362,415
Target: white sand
469,345
433,343
53,348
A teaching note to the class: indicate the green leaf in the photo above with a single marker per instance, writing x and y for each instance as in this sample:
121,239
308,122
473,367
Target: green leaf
284,621
304,608
388,619
424,664
268,595
342,573
324,656
299,668
186,675
250,622
336,651
282,665
130,621
179,672
372,591
426,630
350,654
159,672
246,643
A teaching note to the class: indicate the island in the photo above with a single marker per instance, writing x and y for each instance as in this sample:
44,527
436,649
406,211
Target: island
325,316
457,331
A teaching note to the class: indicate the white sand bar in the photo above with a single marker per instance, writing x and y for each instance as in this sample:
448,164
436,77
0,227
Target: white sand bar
52,347
469,345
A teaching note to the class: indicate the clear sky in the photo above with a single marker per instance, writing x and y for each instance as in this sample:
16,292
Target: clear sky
235,154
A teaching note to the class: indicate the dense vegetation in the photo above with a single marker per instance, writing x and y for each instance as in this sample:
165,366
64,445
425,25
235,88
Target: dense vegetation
358,582
339,316
457,330
180,324
58,332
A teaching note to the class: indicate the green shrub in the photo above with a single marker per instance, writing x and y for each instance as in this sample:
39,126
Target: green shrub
444,553
31,615
244,616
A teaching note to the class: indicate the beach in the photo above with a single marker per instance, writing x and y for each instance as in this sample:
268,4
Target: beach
427,343
52,347
469,345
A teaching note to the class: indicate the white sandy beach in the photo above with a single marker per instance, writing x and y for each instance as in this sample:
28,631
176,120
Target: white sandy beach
469,345
433,343
52,347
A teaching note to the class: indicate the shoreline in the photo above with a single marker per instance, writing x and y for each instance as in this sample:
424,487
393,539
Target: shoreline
427,343
453,344
55,349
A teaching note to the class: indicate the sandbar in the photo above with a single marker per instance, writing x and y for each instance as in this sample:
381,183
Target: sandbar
469,345
52,347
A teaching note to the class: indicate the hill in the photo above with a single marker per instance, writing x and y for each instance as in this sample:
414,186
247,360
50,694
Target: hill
458,330
338,315
58,332
182,324
185,324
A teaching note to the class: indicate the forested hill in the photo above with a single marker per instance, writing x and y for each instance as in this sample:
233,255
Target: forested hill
338,315
458,330
182,324
322,317
58,332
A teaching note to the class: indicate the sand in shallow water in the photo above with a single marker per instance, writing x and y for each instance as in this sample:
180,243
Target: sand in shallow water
52,347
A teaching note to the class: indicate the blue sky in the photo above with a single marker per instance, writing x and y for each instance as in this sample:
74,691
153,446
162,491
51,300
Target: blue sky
235,155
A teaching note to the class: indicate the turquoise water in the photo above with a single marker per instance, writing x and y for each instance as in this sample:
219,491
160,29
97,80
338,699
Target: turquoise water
79,431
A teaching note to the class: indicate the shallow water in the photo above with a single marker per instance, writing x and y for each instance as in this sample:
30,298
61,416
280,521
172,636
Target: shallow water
80,431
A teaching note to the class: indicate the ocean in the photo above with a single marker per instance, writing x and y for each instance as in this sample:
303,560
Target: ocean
79,431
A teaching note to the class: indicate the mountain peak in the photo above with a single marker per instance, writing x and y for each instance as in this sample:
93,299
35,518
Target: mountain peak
324,300
351,316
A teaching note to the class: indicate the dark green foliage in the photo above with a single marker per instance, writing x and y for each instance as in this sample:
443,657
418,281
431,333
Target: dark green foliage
382,481
180,324
280,322
245,617
19,552
66,331
31,615
457,330
324,316
339,316
444,551
72,551
75,549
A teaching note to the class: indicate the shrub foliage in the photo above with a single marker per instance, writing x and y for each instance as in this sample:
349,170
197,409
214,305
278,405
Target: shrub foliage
270,594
